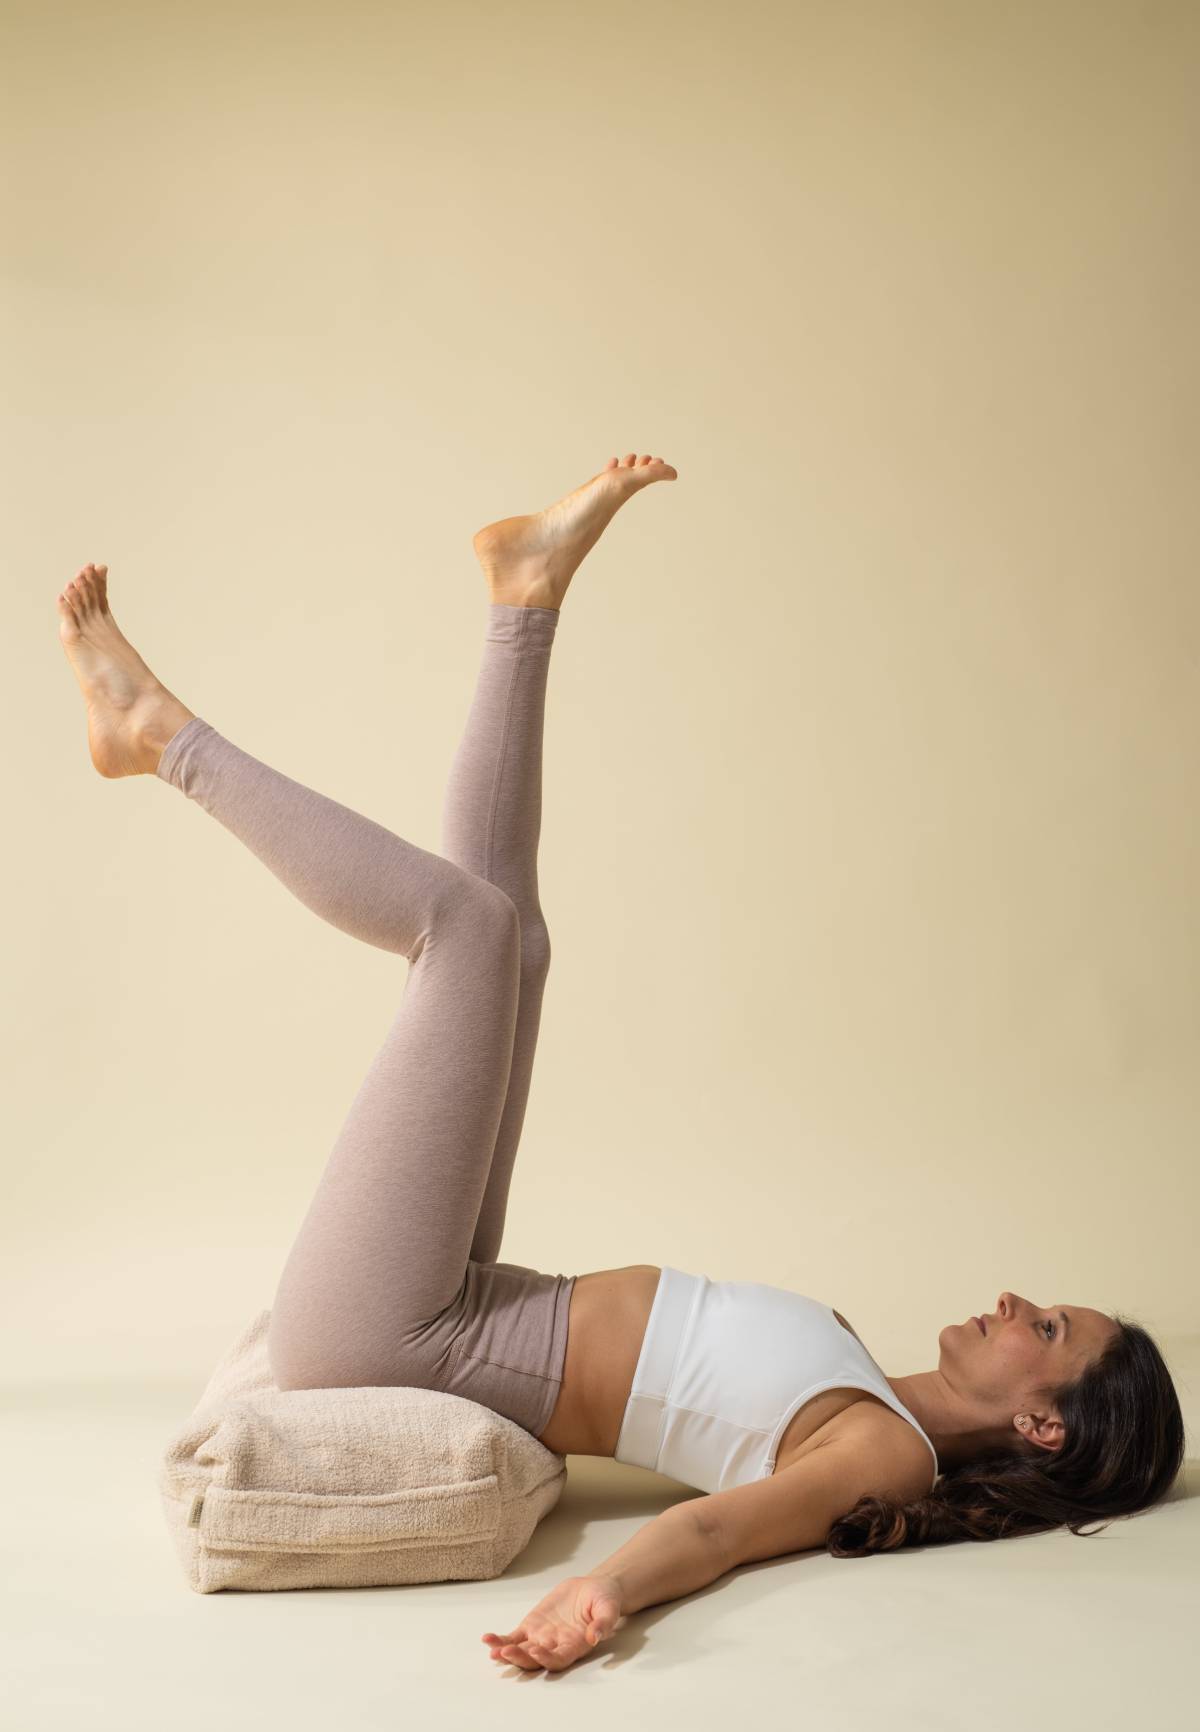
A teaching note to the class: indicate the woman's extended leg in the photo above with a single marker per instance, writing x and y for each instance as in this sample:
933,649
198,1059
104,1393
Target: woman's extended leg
491,824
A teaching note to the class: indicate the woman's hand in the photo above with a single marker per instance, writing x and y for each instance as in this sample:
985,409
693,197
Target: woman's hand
573,1619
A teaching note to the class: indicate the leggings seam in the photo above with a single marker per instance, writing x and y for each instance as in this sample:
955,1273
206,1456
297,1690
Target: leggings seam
502,1365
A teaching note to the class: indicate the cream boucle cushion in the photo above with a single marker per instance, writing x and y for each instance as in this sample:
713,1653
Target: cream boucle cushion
317,1488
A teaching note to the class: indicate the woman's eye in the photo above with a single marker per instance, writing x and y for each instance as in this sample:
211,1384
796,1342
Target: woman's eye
1048,1325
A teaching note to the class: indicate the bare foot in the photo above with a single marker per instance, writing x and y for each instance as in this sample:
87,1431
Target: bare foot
529,561
131,714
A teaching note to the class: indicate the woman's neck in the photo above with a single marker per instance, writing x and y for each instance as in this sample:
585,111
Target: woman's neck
956,1431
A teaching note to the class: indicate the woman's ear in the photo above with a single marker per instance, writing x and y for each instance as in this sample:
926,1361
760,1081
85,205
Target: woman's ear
1045,1430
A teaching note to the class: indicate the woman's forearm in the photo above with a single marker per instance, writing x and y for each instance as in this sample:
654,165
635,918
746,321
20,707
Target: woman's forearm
671,1556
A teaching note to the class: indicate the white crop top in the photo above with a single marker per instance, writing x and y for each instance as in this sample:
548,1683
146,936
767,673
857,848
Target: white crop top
724,1366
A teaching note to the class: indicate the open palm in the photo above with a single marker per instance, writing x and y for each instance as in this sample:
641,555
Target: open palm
571,1620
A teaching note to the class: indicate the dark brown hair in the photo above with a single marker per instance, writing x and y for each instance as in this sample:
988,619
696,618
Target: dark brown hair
1124,1446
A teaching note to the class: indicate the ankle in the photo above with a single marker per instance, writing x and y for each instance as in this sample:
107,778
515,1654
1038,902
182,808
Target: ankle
518,589
160,720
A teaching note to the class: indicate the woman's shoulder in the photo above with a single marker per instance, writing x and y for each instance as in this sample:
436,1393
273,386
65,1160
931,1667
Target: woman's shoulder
899,1456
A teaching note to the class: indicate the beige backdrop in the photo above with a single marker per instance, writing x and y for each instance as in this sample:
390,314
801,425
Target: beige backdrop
870,851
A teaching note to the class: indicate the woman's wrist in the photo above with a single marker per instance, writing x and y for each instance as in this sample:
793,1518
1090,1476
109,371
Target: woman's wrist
613,1584
671,1556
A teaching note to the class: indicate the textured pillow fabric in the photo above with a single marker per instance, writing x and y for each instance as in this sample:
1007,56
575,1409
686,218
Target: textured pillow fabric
317,1488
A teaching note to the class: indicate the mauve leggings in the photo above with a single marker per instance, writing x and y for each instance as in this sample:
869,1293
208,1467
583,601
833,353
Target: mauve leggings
393,1278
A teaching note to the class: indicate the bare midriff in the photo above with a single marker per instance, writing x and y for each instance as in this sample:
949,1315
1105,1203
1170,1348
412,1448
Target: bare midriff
607,1324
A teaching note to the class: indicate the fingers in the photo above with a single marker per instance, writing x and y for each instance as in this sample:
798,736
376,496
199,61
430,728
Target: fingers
527,1657
511,1648
520,1650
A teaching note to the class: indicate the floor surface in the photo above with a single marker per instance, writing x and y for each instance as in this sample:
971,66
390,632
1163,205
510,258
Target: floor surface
101,1629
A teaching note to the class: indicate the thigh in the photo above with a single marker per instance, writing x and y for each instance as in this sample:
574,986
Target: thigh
384,1246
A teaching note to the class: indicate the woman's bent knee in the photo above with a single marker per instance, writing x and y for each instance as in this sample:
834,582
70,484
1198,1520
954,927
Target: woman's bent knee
472,911
486,922
535,948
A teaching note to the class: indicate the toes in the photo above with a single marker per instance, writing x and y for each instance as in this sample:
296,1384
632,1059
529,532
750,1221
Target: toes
92,576
633,461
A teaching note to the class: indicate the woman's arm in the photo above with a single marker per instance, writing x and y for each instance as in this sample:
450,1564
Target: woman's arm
695,1542
671,1556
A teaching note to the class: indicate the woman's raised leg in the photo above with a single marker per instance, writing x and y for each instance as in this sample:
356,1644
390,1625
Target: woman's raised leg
491,824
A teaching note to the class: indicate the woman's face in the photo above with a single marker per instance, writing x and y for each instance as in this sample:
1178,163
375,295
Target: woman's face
1008,1363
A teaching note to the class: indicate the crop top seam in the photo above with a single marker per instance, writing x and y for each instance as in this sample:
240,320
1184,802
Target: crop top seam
703,1413
789,1412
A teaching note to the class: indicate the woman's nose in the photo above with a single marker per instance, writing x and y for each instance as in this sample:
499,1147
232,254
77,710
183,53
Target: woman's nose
1006,1305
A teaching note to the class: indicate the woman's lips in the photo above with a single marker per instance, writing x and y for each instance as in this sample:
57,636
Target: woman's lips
981,1325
